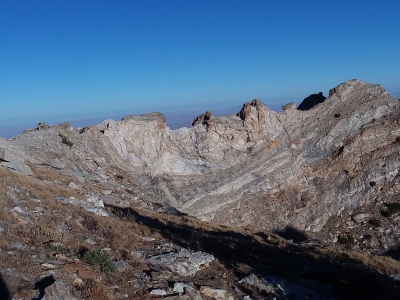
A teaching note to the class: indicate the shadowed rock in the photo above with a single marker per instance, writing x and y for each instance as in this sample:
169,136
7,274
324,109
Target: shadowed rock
311,101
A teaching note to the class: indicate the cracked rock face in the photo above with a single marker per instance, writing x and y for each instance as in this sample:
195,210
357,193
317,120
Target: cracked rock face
258,168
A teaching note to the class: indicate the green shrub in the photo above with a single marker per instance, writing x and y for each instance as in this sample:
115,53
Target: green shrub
97,258
120,177
337,115
367,236
101,259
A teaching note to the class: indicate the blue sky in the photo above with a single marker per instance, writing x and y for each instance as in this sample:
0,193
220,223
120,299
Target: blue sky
66,60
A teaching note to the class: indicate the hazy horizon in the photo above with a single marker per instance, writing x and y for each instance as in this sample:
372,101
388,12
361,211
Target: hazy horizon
96,58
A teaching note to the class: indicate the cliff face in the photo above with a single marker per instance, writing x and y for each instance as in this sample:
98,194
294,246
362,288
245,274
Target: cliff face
258,168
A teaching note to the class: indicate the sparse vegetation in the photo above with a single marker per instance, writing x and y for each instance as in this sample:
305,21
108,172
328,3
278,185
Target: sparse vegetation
69,252
99,258
346,240
120,177
237,251
65,140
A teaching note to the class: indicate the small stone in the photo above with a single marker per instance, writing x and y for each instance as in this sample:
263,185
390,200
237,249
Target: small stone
158,292
147,238
89,241
361,218
48,266
106,192
72,185
135,253
97,201
19,246
121,265
180,287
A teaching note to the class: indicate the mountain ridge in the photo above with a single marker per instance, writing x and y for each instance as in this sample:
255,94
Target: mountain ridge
267,204
218,163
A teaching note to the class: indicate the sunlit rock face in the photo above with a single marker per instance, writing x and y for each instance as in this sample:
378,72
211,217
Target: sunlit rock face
258,168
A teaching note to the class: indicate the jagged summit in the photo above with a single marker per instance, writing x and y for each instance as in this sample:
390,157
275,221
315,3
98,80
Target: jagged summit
257,154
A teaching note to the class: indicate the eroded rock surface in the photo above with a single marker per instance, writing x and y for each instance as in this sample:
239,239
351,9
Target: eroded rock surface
259,168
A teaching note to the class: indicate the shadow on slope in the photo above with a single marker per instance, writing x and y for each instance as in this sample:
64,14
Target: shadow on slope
393,252
268,255
290,233
4,292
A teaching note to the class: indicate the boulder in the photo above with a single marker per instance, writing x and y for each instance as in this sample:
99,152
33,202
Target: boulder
13,158
185,262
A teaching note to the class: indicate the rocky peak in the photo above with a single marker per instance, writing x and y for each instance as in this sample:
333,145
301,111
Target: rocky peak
253,113
203,119
289,106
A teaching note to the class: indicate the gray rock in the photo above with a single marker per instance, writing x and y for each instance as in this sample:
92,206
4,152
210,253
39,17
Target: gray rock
184,263
95,200
289,106
12,157
60,290
88,206
72,185
180,287
121,265
89,241
258,283
19,246
361,217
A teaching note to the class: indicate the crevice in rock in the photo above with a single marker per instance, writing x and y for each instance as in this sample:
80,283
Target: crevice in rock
42,284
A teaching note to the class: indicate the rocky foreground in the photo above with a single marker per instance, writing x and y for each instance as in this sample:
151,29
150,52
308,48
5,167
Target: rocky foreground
301,204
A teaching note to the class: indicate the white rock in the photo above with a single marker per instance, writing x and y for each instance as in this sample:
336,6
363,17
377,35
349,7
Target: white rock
217,294
158,292
72,185
180,287
185,263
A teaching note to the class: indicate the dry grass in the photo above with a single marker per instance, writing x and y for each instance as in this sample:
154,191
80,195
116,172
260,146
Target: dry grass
94,290
24,294
239,251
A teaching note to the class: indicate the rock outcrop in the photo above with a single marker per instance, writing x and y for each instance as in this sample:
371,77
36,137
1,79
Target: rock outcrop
278,189
258,168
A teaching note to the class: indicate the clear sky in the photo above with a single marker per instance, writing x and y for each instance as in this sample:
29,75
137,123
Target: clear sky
64,60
